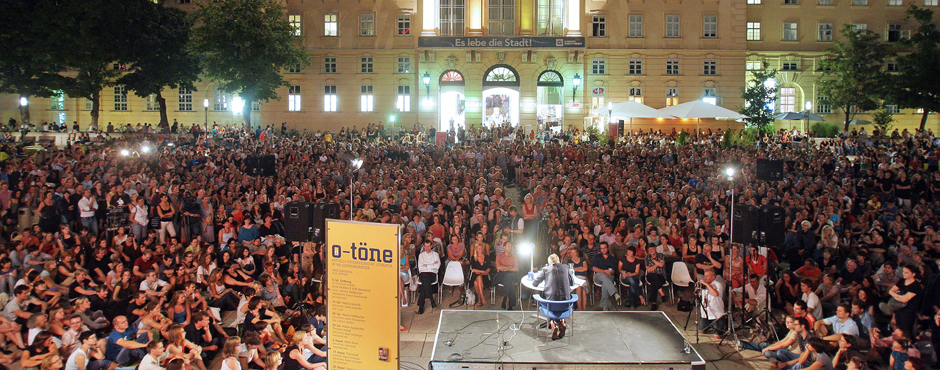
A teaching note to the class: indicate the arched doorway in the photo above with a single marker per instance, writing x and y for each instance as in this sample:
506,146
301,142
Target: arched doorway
500,96
550,96
452,101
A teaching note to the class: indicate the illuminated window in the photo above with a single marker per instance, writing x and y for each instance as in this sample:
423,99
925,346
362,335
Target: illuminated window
672,96
753,65
753,31
296,24
551,17
404,98
452,17
672,66
366,98
329,98
787,99
219,99
293,98
710,95
636,94
331,25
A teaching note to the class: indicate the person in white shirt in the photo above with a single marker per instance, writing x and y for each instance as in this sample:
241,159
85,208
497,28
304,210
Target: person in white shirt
81,358
812,300
155,356
429,262
713,305
87,207
755,293
139,220
153,286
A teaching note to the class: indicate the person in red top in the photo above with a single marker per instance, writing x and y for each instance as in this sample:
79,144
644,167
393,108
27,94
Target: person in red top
756,263
144,263
809,271
800,310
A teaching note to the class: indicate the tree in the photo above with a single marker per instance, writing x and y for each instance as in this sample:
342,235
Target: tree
91,36
882,119
759,96
854,75
161,57
917,85
27,64
244,46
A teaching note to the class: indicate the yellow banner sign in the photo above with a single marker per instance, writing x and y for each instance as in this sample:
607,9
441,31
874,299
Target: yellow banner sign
362,291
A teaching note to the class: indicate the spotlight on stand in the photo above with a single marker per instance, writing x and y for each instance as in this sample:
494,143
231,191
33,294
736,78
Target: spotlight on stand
125,152
355,163
145,149
729,171
528,249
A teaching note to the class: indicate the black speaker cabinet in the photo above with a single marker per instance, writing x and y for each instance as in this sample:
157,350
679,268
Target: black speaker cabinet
772,226
260,165
770,169
298,221
744,223
321,212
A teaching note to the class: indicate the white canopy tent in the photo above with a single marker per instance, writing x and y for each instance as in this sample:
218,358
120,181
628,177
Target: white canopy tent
630,110
699,109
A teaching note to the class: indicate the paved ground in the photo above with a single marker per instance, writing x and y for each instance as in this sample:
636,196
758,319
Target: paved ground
418,341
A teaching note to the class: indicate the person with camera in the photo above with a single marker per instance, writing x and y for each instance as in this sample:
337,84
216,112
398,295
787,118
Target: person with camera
711,293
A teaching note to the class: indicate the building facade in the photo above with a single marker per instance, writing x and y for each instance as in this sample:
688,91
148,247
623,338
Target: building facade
447,63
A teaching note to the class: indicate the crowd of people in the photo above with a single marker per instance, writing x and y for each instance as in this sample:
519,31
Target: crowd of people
135,251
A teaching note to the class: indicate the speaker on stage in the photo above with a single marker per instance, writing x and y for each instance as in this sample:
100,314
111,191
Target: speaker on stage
769,169
772,226
321,212
298,221
744,223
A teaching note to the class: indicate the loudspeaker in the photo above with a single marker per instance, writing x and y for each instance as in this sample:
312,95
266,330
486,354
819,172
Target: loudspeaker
298,221
772,226
744,223
261,165
770,169
321,212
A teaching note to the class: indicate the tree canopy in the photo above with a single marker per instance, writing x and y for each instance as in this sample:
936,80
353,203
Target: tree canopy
853,75
759,96
917,85
245,45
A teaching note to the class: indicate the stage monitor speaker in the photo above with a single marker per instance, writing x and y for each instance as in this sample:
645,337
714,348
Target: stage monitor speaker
744,223
298,221
772,226
770,169
321,212
261,165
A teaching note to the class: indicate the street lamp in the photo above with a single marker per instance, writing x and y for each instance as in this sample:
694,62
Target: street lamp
576,82
24,109
205,106
426,79
354,166
24,101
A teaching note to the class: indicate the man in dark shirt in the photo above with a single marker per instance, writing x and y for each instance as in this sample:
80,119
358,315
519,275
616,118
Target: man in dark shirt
135,308
199,331
99,265
605,274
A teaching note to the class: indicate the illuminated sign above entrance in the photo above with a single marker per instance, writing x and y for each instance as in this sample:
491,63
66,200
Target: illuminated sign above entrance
500,42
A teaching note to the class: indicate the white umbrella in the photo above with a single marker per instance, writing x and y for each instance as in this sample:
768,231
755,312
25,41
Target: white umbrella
699,109
631,109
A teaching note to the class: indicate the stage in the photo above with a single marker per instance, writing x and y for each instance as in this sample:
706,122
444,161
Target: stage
599,340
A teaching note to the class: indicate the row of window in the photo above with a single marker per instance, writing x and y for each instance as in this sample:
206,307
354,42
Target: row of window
366,65
501,22
824,31
635,66
854,2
